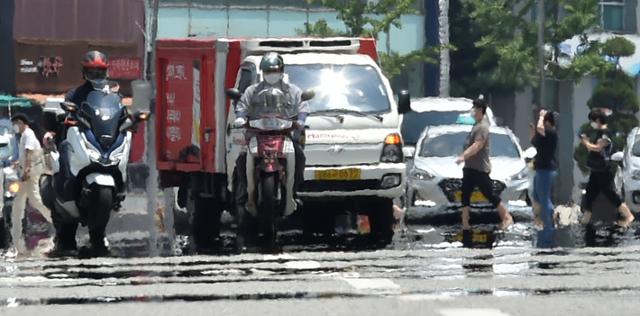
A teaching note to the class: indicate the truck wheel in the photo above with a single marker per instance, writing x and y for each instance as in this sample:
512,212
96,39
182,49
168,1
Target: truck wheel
317,218
267,208
381,220
205,222
98,216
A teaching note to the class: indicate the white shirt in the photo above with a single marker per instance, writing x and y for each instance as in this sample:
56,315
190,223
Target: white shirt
29,141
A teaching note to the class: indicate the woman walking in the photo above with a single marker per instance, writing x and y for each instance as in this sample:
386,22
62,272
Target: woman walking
545,141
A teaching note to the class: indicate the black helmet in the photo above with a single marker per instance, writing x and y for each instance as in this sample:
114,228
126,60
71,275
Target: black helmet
272,62
94,68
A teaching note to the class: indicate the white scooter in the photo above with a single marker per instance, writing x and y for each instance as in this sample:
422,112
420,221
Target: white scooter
89,169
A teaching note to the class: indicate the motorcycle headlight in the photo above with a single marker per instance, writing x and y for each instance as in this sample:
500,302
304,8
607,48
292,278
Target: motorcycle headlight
419,174
523,174
92,151
271,124
636,175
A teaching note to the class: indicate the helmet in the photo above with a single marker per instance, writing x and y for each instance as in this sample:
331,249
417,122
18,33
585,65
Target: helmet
94,68
272,62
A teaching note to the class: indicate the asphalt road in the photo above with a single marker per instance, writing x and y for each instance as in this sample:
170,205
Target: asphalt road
426,271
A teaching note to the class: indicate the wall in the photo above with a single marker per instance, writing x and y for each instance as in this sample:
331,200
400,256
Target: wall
212,18
7,81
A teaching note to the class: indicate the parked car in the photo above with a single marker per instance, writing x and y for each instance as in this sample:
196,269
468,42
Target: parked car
628,174
435,180
434,111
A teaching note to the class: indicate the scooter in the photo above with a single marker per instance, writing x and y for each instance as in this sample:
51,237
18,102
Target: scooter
90,182
270,166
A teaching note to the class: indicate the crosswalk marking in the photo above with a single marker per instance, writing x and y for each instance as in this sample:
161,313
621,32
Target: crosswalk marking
471,312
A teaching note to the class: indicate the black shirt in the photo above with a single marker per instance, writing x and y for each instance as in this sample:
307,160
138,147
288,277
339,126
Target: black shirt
599,161
546,150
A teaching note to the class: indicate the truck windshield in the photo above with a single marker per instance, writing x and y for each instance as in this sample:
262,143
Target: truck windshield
341,87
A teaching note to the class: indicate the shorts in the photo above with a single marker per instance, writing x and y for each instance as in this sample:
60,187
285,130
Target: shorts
471,179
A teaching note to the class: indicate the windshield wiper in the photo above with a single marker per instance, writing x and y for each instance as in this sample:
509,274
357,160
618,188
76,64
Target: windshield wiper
338,112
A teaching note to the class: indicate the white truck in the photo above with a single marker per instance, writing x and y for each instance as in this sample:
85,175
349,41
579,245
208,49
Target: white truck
353,145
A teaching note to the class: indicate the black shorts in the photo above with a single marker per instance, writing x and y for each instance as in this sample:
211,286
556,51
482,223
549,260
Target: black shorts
471,179
600,182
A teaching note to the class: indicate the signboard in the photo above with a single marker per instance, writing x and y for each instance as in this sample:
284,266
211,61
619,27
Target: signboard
125,68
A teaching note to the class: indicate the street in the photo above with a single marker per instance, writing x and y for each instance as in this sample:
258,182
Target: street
425,271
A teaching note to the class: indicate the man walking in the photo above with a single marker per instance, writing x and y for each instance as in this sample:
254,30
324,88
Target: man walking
477,167
30,168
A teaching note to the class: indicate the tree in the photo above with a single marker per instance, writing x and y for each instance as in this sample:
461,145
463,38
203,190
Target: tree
369,19
505,36
615,91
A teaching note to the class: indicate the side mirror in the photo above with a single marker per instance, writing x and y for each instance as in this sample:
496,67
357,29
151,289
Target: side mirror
69,106
617,156
234,94
404,102
308,95
408,151
530,153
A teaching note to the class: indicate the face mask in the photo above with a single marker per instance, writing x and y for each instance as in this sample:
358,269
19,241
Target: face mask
16,129
594,125
272,78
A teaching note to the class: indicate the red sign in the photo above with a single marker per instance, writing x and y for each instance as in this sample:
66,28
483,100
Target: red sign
125,68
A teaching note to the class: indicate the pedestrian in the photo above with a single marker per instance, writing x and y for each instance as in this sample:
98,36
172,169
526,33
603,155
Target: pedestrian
477,167
545,163
30,167
601,178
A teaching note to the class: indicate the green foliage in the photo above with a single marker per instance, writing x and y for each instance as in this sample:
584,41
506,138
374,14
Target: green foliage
618,47
507,38
369,19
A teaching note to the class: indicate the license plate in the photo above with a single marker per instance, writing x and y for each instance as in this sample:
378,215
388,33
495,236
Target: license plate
476,197
338,174
477,237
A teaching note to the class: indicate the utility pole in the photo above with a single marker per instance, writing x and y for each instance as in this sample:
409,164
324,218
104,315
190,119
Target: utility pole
152,180
541,19
445,63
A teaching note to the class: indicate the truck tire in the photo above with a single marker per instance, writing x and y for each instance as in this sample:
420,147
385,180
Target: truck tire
381,220
205,222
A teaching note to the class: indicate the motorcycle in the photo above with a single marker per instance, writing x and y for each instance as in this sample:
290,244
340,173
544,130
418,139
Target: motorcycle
270,164
91,181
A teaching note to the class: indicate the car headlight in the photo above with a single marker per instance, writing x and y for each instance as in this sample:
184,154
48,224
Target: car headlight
636,175
419,174
523,174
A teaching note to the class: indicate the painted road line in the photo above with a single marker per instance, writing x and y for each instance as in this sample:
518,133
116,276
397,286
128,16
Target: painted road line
471,312
374,286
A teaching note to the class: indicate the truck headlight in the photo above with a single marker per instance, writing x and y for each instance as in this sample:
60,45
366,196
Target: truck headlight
14,187
392,149
419,174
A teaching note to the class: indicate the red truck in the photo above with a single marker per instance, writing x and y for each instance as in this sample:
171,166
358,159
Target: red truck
353,146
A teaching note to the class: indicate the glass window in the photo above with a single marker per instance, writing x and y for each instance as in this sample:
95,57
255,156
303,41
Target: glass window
452,145
341,87
414,123
612,15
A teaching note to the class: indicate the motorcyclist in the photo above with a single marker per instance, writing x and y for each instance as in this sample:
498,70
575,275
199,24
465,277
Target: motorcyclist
95,72
272,67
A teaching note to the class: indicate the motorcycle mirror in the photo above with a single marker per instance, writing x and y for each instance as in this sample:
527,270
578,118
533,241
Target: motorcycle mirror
142,116
234,94
69,106
308,95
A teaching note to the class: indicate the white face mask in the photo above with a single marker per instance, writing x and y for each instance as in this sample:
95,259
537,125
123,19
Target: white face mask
273,78
16,129
594,125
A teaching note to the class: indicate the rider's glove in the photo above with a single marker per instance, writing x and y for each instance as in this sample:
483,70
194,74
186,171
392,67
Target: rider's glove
240,122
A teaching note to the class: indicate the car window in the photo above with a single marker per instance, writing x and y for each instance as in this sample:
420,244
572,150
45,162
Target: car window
452,144
635,150
414,123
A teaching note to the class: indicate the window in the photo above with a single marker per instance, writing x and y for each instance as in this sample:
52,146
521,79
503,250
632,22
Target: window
612,15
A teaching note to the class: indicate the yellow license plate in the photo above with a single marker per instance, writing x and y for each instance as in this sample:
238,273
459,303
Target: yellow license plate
338,174
476,197
477,237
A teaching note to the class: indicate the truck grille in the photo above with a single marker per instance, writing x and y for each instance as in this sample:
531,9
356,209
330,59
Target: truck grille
451,186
